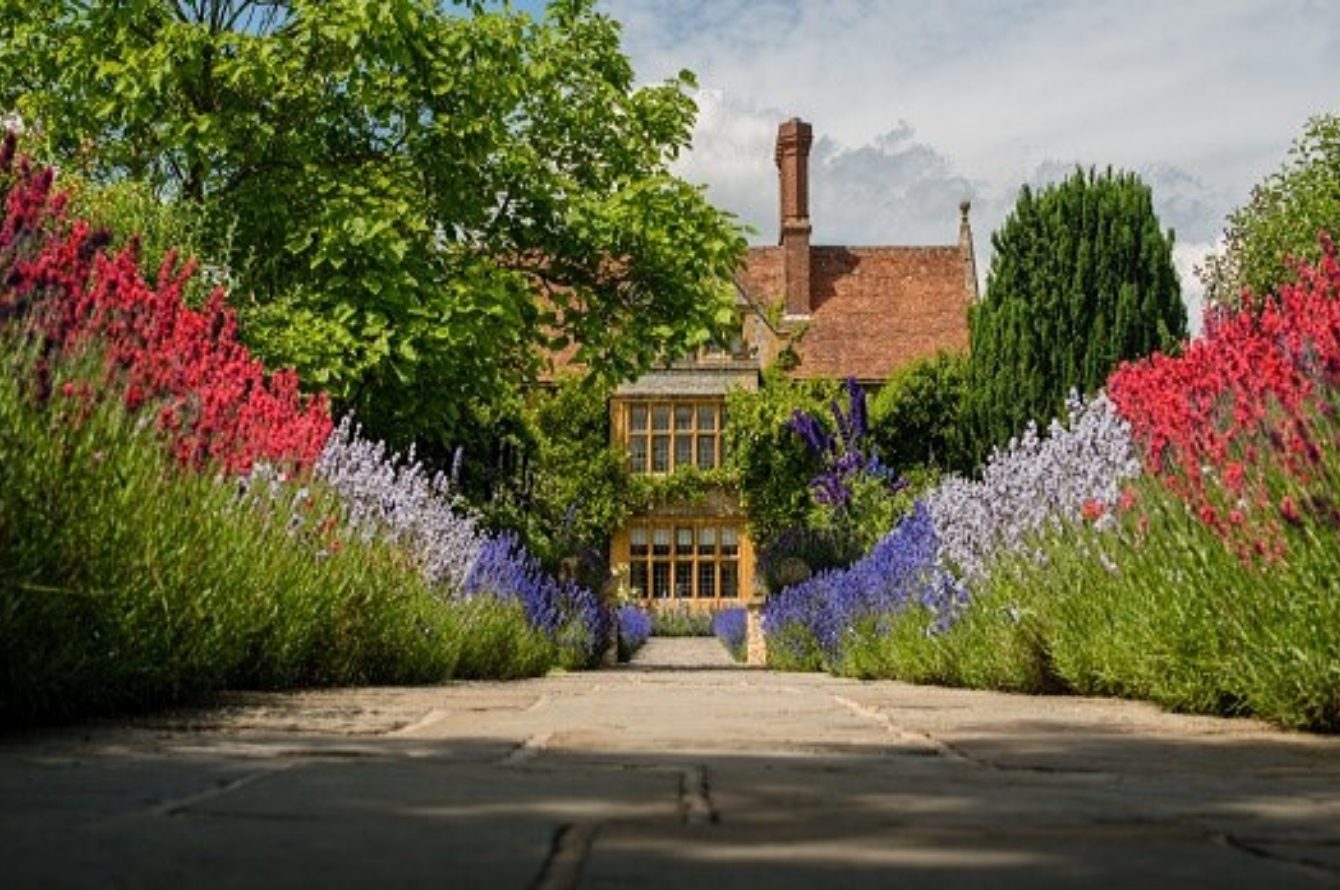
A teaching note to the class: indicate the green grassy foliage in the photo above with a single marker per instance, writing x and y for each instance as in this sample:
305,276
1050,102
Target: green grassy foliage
129,583
680,621
1158,608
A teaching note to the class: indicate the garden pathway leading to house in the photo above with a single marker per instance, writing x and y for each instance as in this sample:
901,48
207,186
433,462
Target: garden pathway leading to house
678,770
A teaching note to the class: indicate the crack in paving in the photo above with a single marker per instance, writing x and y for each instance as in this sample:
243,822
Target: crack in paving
921,739
180,805
695,797
529,749
562,868
1256,849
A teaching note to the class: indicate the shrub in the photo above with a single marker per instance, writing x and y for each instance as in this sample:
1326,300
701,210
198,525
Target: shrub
129,582
902,571
678,620
634,628
1034,483
567,613
1279,225
1245,403
213,401
917,417
730,626
774,466
389,496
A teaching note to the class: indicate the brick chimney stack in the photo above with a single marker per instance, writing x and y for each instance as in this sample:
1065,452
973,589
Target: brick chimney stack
793,164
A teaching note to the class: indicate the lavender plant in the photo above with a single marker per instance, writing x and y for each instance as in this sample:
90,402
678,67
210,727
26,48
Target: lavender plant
394,497
949,542
634,629
1033,484
730,627
902,571
567,613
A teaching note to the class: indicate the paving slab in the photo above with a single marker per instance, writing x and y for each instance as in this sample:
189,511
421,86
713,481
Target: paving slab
681,769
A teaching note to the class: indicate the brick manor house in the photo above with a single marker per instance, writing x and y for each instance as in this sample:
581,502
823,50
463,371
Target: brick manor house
835,311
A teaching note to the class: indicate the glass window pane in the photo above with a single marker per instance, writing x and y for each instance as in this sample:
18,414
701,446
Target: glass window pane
683,450
730,541
660,454
707,579
637,454
637,578
707,541
637,418
660,542
707,417
637,541
683,542
707,454
660,417
683,417
683,579
730,579
660,579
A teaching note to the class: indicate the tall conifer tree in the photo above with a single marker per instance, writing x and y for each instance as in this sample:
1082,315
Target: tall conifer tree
1081,278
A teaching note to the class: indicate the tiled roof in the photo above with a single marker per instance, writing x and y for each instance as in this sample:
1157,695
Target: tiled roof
873,309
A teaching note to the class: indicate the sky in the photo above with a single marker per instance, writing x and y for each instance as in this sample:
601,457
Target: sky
919,105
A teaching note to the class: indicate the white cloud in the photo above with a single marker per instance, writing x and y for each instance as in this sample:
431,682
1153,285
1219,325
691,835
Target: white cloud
916,106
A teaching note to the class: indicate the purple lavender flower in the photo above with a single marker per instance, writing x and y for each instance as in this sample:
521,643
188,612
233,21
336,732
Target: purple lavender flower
811,432
1033,484
951,540
567,613
634,628
902,570
731,627
393,497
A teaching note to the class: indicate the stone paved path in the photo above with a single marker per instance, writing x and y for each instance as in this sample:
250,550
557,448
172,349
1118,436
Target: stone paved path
679,770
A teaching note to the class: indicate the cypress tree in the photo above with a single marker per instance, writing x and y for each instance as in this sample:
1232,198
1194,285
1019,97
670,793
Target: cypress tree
1081,278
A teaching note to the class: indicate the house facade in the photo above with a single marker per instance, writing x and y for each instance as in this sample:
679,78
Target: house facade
834,312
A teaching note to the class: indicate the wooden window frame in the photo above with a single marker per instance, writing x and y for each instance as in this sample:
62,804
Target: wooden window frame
642,441
656,573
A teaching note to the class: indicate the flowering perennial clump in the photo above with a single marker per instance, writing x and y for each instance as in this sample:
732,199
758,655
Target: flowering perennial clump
730,626
1076,471
1255,397
393,497
214,402
902,571
949,541
567,613
634,628
844,455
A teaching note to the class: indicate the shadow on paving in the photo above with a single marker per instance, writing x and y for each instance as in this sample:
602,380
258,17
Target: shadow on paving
155,807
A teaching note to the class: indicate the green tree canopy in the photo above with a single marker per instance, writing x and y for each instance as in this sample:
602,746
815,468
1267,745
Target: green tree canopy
1282,220
1081,278
916,419
413,203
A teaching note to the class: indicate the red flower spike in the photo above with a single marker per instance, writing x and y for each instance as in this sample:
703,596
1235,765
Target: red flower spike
215,402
